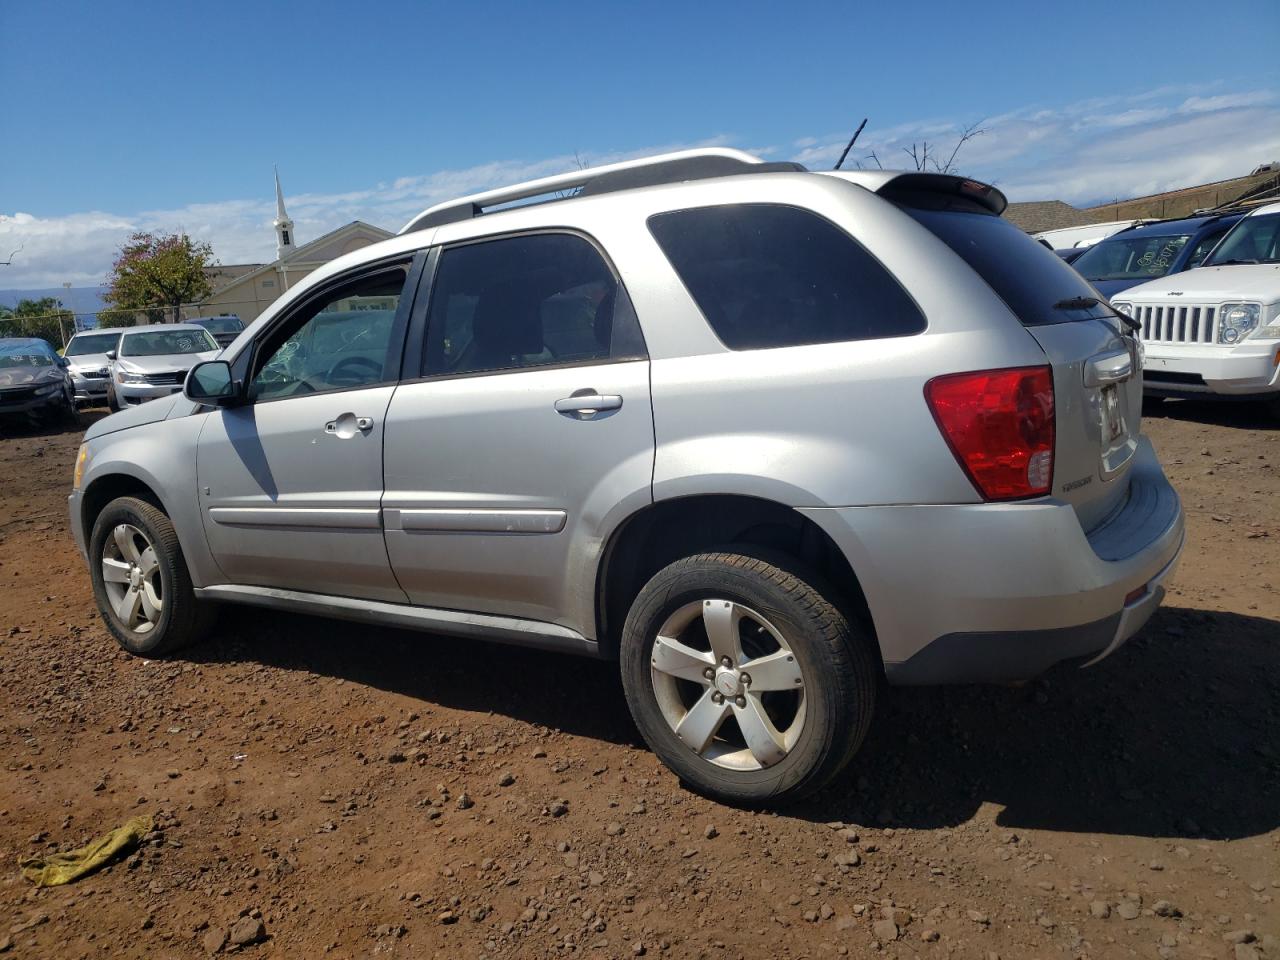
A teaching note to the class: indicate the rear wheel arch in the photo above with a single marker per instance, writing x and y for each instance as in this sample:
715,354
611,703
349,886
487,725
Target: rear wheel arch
669,530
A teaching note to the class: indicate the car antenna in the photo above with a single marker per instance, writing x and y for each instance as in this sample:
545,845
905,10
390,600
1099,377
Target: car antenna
840,162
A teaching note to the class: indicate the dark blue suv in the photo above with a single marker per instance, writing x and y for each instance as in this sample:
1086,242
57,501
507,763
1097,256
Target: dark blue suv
1152,250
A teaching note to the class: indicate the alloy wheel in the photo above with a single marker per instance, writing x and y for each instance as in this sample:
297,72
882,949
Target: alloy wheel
728,684
131,575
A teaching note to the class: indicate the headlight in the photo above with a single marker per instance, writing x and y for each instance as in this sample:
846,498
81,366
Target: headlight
1236,321
124,376
1269,330
82,461
48,390
1125,308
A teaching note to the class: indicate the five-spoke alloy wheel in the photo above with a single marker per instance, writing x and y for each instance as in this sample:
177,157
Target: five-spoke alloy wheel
131,577
140,579
745,679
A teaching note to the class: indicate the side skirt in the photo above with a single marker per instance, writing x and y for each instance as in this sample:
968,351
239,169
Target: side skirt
479,626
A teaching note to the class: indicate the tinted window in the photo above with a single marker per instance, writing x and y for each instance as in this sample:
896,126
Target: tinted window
221,324
339,341
525,302
1254,239
161,343
91,343
1131,257
1031,279
1205,244
774,276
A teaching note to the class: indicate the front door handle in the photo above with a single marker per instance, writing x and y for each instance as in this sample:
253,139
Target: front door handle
586,404
348,425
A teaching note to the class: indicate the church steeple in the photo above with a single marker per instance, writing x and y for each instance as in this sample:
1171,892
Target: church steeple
283,225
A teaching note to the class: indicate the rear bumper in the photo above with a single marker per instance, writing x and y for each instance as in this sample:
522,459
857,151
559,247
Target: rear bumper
1249,370
968,593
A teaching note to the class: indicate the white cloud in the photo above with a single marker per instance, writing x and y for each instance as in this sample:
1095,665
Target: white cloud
1088,151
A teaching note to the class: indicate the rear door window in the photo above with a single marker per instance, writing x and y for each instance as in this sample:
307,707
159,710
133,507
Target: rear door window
1026,275
768,275
546,299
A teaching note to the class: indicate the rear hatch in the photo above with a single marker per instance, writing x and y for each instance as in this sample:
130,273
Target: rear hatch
1095,359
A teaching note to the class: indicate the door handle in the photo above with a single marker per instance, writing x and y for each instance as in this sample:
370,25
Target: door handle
348,425
584,405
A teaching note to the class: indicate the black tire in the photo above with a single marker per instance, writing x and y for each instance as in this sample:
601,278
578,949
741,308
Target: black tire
183,619
837,660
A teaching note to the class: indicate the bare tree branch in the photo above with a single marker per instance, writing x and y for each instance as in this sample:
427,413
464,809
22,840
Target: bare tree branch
9,262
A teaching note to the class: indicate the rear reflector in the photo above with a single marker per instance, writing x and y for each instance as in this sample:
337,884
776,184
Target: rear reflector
999,424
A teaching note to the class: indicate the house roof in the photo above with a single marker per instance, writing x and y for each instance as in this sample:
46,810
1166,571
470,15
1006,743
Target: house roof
306,254
1039,215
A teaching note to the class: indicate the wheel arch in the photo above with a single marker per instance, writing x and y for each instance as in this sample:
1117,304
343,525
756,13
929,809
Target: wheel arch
668,530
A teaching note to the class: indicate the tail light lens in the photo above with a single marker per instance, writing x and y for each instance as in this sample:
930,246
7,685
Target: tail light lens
999,424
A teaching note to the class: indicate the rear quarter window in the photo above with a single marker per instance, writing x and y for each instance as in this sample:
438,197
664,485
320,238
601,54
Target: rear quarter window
767,275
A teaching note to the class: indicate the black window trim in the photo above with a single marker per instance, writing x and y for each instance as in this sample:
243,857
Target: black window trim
246,361
814,213
415,355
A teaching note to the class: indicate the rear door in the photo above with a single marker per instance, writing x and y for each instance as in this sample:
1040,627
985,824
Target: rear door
1097,383
528,424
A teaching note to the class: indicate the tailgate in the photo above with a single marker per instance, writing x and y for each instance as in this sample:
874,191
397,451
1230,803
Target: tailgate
1098,412
1096,376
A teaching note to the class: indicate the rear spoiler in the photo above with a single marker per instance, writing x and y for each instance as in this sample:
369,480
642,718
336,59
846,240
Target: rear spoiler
899,183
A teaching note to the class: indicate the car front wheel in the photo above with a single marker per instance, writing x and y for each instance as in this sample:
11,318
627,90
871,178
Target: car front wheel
745,680
140,580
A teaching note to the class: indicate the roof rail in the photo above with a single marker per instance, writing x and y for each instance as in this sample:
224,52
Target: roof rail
663,168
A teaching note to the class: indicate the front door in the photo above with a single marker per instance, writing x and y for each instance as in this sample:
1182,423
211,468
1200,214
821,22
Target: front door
291,482
528,432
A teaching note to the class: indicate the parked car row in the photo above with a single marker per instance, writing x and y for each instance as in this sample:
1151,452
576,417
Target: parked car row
1205,293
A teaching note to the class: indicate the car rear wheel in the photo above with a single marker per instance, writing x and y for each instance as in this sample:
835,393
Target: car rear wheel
745,680
140,580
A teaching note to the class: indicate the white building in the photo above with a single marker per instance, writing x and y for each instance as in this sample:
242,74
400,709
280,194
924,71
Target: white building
248,289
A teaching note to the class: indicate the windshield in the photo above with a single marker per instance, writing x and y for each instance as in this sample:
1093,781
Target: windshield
91,343
158,343
221,324
1253,240
1131,257
25,355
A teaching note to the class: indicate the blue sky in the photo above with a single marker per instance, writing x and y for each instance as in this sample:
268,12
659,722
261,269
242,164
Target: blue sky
170,115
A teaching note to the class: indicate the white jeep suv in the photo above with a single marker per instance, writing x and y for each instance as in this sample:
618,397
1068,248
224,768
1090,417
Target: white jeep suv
1215,330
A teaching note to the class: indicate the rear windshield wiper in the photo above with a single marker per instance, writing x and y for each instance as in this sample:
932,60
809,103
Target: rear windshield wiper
1084,303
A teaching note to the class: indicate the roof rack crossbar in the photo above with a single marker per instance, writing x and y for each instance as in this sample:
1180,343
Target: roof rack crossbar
464,208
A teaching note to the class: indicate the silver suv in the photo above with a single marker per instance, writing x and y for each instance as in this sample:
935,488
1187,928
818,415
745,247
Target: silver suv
766,437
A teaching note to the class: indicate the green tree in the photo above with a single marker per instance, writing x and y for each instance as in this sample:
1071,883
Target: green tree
45,318
157,274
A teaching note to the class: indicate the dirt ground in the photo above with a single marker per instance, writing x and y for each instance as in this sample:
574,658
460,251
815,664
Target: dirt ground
366,792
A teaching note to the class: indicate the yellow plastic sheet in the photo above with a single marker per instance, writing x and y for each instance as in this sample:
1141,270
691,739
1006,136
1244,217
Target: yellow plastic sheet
60,868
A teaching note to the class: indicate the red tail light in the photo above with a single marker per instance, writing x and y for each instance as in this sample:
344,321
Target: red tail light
999,424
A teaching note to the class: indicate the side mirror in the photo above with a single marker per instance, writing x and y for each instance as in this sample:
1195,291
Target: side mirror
111,354
211,383
64,362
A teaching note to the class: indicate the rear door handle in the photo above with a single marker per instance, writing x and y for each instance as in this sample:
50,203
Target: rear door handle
348,425
1107,368
584,406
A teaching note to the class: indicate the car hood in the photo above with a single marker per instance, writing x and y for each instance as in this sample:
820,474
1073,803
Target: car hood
89,361
29,376
137,416
1242,281
164,362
